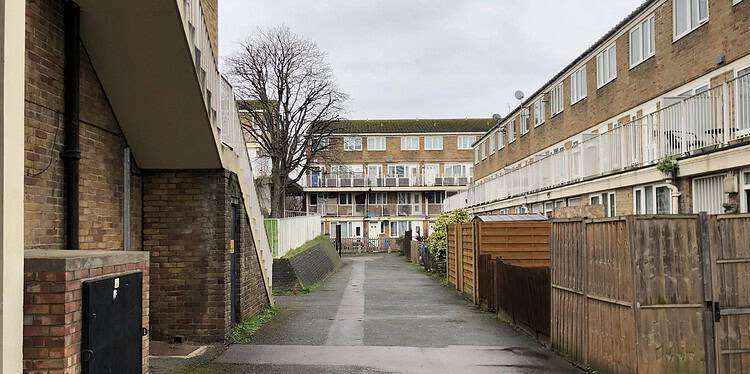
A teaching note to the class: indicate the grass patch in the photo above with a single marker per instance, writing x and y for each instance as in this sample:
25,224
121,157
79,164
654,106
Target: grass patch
294,252
244,331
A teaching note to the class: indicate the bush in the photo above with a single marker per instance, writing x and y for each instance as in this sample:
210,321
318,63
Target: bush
437,242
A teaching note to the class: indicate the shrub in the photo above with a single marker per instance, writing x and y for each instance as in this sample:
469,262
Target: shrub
437,242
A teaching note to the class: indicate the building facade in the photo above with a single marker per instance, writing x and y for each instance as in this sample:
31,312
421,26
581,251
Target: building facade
387,177
653,118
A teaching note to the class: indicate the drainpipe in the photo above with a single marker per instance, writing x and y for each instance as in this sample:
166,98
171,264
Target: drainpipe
675,196
71,153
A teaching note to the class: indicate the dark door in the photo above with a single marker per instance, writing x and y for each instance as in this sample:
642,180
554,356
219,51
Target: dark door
234,268
112,325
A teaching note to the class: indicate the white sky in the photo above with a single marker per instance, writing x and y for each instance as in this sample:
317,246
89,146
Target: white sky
433,58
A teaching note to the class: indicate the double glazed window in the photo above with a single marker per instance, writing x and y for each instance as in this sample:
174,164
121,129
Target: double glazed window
652,200
500,140
578,85
606,66
511,128
607,199
457,171
376,143
484,150
465,141
642,41
433,143
538,112
557,100
745,191
688,16
352,143
409,143
492,145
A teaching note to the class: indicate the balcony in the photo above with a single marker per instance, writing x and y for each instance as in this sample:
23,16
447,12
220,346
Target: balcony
362,180
375,210
703,123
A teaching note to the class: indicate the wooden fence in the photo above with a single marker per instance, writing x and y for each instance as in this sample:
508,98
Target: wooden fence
461,259
637,294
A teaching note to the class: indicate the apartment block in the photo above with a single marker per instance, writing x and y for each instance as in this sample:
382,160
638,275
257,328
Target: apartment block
652,118
389,176
134,166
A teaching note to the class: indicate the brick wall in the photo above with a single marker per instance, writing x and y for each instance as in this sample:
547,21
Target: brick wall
675,63
102,144
187,228
211,14
52,315
394,154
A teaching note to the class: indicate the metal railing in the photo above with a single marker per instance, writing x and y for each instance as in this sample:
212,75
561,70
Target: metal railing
375,210
701,123
364,180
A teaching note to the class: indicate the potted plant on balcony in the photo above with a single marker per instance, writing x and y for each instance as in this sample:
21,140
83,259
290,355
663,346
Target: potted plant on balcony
669,167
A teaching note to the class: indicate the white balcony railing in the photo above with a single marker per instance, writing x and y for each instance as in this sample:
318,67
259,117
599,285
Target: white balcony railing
701,123
375,210
317,180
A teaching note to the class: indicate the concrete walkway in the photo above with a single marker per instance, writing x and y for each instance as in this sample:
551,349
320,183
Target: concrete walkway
383,315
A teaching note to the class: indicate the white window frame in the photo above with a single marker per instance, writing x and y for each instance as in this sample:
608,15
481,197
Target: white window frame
578,85
407,143
650,21
511,129
491,140
609,202
735,2
500,140
433,143
606,66
574,202
690,26
374,143
465,141
721,186
484,150
655,209
352,143
557,99
539,112
744,187
476,154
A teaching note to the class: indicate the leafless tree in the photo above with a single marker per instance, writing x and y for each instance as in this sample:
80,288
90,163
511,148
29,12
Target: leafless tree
287,86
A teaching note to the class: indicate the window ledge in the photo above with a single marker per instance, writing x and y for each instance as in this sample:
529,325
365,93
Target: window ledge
676,38
642,61
605,84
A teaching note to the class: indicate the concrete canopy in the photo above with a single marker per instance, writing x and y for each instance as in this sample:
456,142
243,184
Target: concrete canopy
142,57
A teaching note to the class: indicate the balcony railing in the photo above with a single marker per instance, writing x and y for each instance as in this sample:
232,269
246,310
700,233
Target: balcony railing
375,210
701,123
364,180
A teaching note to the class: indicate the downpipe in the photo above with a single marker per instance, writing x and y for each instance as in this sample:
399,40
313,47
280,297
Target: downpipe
71,154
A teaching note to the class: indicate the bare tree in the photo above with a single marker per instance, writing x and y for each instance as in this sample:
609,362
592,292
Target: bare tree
295,103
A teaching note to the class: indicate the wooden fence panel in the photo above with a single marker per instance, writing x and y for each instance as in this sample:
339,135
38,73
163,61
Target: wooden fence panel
451,255
609,294
520,243
669,284
730,252
568,302
468,264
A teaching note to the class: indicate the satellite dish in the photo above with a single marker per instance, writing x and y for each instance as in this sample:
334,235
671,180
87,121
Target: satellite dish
520,95
497,117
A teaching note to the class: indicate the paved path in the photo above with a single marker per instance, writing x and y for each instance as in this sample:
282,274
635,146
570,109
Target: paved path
382,315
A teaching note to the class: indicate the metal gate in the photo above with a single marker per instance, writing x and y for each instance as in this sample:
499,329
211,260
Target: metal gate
730,260
112,328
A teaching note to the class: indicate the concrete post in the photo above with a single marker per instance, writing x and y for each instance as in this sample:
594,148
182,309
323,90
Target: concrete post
12,48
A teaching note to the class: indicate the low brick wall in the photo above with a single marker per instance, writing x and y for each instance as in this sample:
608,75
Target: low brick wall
53,303
305,268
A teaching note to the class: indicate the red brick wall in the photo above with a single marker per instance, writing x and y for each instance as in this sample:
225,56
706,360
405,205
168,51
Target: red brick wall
187,227
102,144
52,317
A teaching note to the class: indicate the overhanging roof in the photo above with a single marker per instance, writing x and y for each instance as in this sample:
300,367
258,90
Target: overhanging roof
141,54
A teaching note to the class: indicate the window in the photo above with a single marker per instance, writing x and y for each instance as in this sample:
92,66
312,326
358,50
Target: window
549,207
476,155
745,191
578,85
511,128
559,204
352,143
409,143
492,145
688,16
708,194
377,198
500,140
574,202
556,99
325,142
735,2
457,171
433,143
484,150
434,197
399,228
537,208
524,118
345,199
652,200
376,143
606,66
642,41
538,112
607,199
465,141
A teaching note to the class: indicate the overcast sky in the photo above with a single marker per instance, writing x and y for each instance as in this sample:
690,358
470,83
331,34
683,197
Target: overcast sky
433,58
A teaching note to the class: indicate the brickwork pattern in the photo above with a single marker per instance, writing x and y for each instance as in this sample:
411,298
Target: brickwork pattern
102,144
676,62
211,15
187,228
52,317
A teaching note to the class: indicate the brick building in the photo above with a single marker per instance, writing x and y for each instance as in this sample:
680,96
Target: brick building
132,157
669,85
389,176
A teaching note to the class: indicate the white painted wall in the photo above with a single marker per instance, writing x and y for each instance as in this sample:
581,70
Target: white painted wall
295,231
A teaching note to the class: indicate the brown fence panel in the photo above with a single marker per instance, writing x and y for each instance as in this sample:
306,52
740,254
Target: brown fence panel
568,334
468,265
523,293
451,255
520,243
487,290
609,297
730,252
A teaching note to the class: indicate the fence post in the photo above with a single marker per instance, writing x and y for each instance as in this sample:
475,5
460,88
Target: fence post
585,290
459,258
475,250
338,238
709,331
630,226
